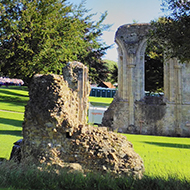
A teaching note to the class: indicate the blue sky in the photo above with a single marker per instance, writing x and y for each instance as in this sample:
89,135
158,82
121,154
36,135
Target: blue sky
122,12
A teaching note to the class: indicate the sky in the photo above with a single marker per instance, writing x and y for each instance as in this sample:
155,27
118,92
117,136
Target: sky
122,12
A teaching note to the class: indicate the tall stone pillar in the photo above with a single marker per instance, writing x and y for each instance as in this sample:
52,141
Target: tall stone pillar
81,94
169,80
140,71
125,76
76,74
131,95
178,97
173,90
131,40
120,72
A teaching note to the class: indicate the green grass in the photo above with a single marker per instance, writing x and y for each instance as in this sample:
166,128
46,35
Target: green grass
10,131
13,98
22,177
100,101
163,156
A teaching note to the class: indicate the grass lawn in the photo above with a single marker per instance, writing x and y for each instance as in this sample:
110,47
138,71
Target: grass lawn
10,131
13,98
162,156
100,101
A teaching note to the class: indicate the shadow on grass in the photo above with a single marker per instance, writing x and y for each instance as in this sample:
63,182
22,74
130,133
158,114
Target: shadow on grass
12,98
170,145
99,104
14,122
12,93
10,132
25,88
13,101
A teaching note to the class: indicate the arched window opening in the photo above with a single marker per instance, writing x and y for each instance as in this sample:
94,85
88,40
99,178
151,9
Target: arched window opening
154,82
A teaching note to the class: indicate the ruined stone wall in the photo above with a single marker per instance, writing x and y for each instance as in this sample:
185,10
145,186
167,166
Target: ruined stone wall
133,112
149,115
186,83
51,110
54,134
116,116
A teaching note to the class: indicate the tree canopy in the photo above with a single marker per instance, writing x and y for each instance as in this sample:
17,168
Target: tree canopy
173,30
113,71
42,36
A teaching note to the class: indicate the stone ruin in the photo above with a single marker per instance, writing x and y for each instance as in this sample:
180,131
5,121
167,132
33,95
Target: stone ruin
133,112
55,131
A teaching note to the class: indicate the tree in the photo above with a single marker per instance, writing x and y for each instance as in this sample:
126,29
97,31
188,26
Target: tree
98,70
42,36
173,30
113,71
153,67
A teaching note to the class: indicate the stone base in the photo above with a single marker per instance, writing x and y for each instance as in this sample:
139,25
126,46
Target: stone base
152,116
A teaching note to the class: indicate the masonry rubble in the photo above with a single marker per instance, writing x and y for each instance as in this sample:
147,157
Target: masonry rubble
55,130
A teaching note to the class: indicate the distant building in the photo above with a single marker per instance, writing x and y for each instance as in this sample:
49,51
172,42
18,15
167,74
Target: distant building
106,85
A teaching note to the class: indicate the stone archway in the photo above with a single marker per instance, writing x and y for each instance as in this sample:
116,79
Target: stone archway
131,111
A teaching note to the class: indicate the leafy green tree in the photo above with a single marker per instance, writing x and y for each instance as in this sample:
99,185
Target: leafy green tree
114,74
42,36
113,71
173,30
